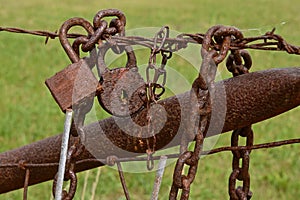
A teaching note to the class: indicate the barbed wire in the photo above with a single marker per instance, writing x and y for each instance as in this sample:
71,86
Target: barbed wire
181,41
47,34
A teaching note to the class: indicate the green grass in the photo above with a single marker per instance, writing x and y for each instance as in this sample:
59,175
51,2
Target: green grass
28,112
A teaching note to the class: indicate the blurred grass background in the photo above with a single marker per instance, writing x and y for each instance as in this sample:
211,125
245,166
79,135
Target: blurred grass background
28,112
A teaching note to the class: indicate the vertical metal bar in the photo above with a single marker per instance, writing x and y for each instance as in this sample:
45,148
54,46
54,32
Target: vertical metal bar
158,178
63,154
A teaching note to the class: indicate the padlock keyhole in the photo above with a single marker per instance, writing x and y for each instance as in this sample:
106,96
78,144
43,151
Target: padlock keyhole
124,96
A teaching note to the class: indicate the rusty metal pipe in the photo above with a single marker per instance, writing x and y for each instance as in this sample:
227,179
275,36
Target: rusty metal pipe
250,98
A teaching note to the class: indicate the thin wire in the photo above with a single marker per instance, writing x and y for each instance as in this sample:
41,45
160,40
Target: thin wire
26,183
123,182
170,156
209,152
256,146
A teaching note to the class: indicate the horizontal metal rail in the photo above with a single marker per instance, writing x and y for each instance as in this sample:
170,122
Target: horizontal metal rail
250,98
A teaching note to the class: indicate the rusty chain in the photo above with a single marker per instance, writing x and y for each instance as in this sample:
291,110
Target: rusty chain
239,62
200,106
216,44
152,85
240,173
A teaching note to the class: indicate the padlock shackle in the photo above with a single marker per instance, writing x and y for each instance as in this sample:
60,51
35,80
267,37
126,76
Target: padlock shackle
102,49
63,31
131,59
121,20
100,64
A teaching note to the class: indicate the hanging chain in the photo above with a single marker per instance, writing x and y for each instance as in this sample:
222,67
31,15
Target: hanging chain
239,62
153,86
240,173
181,181
200,108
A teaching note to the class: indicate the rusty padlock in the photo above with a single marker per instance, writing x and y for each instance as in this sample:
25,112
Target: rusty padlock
76,82
123,89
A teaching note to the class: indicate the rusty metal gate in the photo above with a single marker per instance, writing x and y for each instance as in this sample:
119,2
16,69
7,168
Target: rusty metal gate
127,96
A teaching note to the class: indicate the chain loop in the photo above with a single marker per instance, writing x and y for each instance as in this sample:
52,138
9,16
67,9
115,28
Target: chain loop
222,35
94,38
234,62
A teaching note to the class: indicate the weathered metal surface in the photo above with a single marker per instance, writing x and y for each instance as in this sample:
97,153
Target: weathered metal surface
250,98
124,91
72,84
